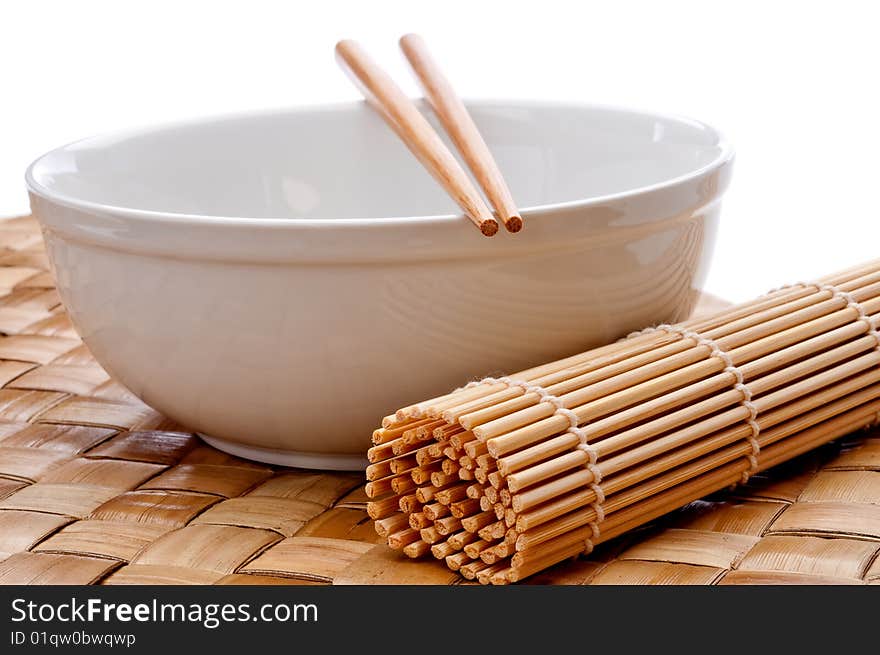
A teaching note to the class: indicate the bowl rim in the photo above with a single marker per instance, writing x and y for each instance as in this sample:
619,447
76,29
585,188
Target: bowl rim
725,155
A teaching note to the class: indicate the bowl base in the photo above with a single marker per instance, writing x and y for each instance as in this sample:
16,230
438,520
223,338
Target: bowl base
295,458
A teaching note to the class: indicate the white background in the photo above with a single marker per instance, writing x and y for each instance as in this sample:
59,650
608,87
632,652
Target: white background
793,85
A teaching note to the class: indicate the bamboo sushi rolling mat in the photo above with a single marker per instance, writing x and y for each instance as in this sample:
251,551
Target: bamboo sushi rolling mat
96,487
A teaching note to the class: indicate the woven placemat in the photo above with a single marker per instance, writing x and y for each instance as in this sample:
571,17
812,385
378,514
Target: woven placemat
96,487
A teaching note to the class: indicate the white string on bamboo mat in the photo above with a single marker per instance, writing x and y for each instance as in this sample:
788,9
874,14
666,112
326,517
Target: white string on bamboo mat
573,428
851,302
746,401
837,292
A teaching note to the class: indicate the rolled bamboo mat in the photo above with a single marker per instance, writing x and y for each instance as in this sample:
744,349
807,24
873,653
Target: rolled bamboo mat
96,487
508,476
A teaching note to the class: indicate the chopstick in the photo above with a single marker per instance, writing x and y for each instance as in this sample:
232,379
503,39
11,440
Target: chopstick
406,120
461,128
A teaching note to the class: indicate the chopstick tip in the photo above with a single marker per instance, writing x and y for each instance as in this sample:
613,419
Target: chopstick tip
489,227
514,224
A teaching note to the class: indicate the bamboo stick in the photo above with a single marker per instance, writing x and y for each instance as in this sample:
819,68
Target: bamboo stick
435,511
384,435
474,548
424,495
408,503
380,509
402,538
471,570
448,525
451,494
442,550
416,549
430,535
461,539
418,521
391,524
457,560
399,485
433,453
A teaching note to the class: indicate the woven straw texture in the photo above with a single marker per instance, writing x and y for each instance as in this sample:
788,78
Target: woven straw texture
96,487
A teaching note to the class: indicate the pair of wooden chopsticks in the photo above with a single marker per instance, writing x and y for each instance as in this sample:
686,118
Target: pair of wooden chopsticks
404,118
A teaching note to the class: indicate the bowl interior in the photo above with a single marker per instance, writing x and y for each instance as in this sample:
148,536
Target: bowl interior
343,162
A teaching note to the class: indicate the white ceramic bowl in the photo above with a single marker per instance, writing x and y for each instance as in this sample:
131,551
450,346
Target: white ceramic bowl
279,281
